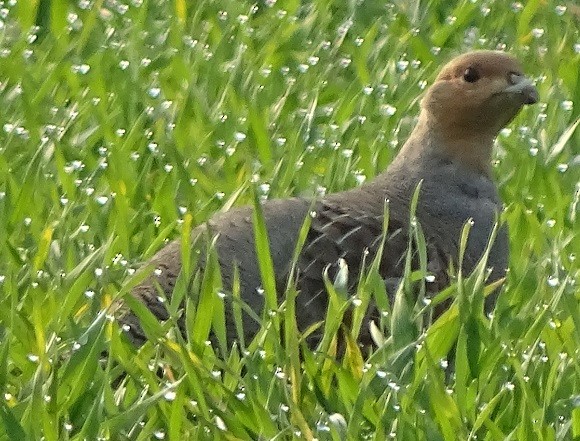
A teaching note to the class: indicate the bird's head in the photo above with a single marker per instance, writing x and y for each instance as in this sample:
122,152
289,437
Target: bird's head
474,96
481,90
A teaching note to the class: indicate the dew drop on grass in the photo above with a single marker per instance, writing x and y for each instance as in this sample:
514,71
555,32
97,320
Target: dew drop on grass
89,293
444,363
322,427
344,62
239,136
80,68
170,395
33,358
220,424
402,65
280,373
159,434
360,178
123,64
560,9
551,223
356,301
538,32
562,168
387,110
154,92
567,105
553,281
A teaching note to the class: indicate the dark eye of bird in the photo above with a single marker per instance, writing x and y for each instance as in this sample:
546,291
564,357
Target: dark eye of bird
471,75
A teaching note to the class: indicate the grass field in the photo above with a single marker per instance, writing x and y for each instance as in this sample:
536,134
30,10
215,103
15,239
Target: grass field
125,123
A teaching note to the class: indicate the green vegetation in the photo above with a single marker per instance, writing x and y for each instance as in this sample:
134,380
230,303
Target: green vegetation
125,123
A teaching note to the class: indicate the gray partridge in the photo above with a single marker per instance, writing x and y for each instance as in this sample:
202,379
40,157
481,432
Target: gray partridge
472,99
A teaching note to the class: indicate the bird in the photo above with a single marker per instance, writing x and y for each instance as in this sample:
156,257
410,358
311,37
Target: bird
449,152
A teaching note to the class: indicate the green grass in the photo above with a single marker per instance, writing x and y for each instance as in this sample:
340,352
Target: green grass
124,125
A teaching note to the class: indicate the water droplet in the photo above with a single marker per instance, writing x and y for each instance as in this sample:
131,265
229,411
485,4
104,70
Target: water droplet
239,136
560,9
567,105
101,200
387,110
80,68
553,281
537,32
154,92
123,64
344,62
159,434
402,65
393,385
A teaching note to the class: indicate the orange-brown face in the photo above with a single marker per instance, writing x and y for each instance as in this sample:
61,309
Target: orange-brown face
479,91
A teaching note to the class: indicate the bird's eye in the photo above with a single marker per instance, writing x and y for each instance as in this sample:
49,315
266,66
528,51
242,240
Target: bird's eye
471,75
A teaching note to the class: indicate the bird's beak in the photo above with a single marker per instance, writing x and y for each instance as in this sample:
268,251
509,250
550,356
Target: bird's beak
524,86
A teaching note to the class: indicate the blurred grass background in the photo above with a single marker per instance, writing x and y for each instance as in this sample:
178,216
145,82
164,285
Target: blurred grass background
123,123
